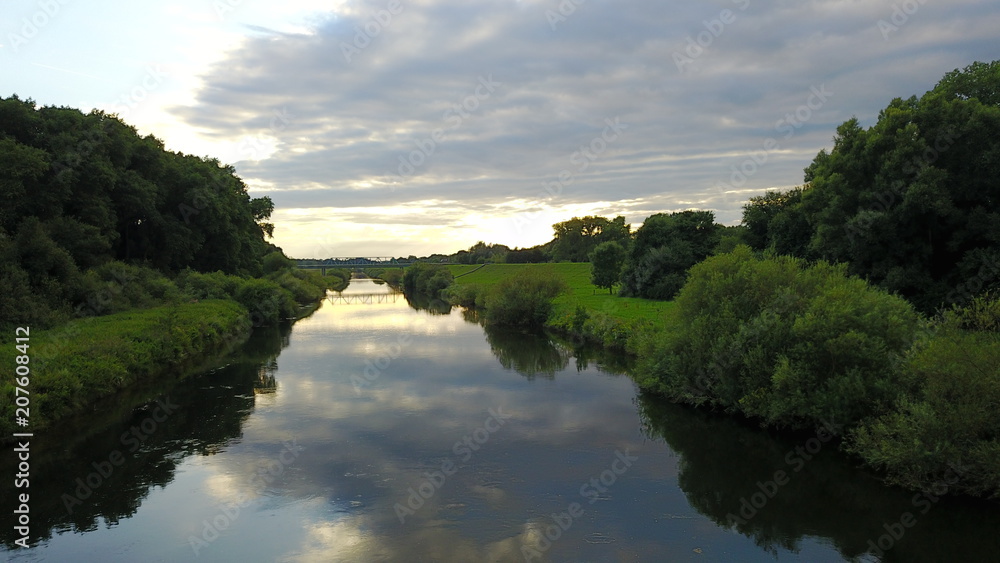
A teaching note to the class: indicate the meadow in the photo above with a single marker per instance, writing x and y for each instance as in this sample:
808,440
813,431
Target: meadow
583,309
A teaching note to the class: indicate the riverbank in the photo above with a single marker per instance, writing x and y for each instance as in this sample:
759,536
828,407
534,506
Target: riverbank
583,311
913,397
153,327
89,359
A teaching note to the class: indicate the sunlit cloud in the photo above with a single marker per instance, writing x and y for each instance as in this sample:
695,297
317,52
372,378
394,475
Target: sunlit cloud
457,114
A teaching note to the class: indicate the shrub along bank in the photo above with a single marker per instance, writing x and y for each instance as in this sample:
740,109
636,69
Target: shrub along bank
580,309
87,359
795,344
137,324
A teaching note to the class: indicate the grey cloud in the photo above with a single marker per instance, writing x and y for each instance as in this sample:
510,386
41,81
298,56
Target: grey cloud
686,128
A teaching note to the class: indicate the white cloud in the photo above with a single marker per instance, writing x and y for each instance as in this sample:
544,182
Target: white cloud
350,122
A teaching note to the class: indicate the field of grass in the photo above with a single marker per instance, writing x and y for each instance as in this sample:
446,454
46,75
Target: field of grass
581,292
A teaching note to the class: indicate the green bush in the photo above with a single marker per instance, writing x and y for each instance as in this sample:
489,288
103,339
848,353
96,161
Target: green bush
268,302
523,300
302,290
338,279
427,279
277,261
469,296
784,341
115,286
393,277
90,358
949,431
216,285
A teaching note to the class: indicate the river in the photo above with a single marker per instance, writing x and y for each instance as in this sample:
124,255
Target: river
376,431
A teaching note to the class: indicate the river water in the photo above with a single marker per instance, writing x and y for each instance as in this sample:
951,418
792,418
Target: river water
376,431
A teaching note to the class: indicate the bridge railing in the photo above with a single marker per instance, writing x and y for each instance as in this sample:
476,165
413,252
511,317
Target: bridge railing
357,261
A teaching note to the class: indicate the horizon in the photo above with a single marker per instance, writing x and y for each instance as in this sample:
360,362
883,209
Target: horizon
391,129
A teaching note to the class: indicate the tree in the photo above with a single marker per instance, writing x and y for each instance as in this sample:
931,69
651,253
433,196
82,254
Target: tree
911,203
606,264
978,80
665,247
84,190
575,239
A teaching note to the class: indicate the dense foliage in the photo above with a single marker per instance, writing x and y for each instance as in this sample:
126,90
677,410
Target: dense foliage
427,279
95,357
523,300
948,429
784,341
664,248
576,239
606,261
911,203
82,190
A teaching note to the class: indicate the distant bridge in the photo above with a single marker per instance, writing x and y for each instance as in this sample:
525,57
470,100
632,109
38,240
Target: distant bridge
356,262
353,262
363,298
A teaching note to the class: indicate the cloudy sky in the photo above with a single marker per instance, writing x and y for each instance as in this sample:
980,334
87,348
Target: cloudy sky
397,127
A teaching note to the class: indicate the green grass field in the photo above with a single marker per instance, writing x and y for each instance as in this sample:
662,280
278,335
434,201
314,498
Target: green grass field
581,291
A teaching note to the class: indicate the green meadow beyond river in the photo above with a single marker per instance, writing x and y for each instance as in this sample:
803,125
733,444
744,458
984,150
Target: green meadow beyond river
375,430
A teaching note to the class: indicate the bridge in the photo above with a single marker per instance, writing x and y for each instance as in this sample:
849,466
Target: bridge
355,263
363,298
358,262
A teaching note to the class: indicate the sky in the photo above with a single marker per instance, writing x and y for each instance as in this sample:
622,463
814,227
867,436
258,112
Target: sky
399,127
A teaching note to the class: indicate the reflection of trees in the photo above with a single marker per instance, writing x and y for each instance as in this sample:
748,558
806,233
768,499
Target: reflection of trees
266,382
211,411
723,460
527,353
586,353
433,306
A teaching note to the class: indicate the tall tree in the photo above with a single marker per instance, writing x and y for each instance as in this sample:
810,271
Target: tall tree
665,247
911,203
606,262
576,239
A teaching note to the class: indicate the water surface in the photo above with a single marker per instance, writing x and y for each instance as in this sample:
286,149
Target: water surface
374,431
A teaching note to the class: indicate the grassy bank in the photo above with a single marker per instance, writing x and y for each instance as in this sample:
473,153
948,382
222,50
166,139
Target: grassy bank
88,359
583,309
796,345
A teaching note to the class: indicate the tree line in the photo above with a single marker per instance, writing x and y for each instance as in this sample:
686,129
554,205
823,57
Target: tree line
84,190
